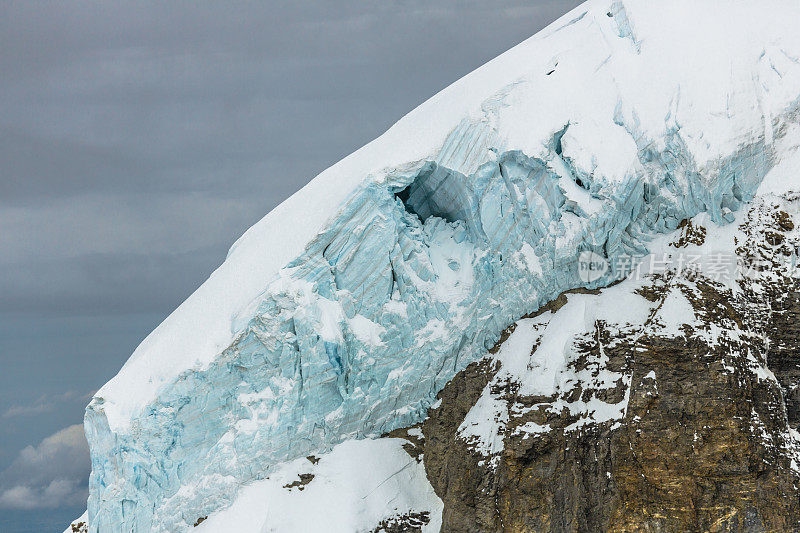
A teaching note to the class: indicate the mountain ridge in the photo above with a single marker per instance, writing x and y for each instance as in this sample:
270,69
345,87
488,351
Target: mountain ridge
599,133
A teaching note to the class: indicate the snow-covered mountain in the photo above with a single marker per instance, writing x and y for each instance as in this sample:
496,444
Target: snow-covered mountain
345,311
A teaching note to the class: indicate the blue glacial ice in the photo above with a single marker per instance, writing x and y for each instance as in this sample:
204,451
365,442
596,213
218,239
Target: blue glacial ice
413,281
419,272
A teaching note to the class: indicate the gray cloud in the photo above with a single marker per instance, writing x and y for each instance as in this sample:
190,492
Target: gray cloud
115,252
51,474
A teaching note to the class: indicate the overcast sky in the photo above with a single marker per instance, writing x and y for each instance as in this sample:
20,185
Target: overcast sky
139,140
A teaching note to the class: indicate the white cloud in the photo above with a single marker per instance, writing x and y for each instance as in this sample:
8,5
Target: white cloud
58,493
51,474
18,497
46,403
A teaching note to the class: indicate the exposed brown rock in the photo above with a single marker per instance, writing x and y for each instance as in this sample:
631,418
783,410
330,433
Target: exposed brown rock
301,483
414,445
690,234
407,523
455,472
704,443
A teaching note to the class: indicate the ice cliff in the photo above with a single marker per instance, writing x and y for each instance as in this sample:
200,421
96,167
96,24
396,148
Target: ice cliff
344,311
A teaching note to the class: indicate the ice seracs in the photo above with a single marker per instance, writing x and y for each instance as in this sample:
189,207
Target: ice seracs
344,311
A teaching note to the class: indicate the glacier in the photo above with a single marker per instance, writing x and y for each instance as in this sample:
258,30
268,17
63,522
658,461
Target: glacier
344,311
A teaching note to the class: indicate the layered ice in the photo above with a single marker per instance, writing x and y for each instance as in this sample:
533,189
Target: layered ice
343,312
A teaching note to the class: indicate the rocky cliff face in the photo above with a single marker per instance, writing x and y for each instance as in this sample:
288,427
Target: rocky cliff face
680,417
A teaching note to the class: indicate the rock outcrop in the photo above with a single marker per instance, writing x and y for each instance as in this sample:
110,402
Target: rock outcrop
679,419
